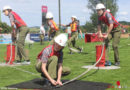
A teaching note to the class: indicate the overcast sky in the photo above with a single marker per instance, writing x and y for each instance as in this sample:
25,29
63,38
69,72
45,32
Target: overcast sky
30,10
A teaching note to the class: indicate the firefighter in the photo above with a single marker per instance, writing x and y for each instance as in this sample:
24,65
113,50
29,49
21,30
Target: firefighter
74,34
42,34
22,29
113,31
50,59
53,28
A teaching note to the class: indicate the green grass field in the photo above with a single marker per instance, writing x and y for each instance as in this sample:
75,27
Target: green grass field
9,75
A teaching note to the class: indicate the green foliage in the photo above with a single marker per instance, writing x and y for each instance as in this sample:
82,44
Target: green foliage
88,27
83,28
6,28
109,4
128,30
112,5
124,22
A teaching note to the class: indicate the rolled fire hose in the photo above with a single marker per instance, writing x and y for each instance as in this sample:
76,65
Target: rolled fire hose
86,70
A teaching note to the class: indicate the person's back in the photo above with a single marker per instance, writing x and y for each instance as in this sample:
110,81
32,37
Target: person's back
14,17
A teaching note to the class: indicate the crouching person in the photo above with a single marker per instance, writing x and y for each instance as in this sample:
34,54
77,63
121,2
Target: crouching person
50,60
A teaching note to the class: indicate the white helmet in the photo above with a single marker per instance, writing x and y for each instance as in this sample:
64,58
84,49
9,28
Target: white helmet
108,10
49,15
61,39
100,6
74,17
6,7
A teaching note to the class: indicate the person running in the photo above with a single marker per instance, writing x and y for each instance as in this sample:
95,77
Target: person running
50,59
22,30
74,34
113,31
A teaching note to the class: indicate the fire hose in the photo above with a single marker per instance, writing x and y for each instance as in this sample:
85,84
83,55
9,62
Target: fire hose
73,78
10,55
11,49
86,70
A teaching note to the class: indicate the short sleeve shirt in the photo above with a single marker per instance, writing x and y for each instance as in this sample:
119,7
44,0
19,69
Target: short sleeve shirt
46,53
11,17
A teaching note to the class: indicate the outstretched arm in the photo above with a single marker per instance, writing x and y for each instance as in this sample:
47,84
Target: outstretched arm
65,25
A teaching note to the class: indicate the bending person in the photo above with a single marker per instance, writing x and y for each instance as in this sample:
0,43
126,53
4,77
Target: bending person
50,59
113,31
22,29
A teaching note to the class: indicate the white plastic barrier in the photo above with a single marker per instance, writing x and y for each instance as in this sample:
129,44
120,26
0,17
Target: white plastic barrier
5,38
27,40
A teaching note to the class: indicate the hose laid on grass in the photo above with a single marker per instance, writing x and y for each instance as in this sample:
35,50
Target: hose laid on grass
69,80
19,69
86,70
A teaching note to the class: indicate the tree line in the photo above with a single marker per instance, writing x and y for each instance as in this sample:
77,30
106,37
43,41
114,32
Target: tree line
90,26
6,28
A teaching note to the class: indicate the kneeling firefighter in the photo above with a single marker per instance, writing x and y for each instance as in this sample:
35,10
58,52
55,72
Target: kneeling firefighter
50,59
